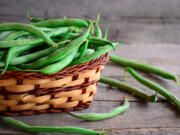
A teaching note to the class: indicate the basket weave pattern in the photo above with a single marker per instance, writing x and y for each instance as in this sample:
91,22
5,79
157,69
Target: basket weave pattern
73,88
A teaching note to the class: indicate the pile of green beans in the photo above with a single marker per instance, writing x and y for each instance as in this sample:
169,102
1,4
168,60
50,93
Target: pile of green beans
49,45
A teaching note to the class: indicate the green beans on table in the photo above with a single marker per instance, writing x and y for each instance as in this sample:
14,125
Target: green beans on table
156,87
26,27
101,116
59,53
57,66
62,23
142,67
129,88
49,129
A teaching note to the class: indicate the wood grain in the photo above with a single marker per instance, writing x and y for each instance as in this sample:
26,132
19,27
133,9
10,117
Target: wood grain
133,21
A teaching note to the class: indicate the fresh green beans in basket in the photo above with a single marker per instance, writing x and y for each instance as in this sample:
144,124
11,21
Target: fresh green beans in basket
49,45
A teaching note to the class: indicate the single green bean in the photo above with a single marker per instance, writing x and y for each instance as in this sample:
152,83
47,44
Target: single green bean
87,52
98,31
26,27
83,49
4,34
35,20
65,37
142,67
106,33
129,88
101,116
2,53
156,87
62,23
32,56
100,42
49,129
95,55
59,53
17,34
56,67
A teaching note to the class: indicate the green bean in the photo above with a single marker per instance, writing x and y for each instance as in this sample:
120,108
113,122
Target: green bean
59,53
2,53
102,116
4,34
83,49
156,87
32,42
26,27
142,67
100,42
32,56
87,52
98,30
49,129
129,88
65,37
95,55
105,34
17,34
35,20
62,23
55,67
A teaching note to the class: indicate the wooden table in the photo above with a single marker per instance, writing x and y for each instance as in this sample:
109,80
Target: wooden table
142,118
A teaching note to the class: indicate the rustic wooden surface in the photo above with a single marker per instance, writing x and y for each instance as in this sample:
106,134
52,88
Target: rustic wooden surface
134,21
142,118
151,27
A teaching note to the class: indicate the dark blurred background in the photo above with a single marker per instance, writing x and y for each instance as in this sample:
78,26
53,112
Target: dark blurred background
133,21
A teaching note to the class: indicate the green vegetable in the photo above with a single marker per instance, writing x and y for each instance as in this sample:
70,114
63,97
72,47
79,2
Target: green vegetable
142,67
101,116
129,88
156,87
49,129
24,27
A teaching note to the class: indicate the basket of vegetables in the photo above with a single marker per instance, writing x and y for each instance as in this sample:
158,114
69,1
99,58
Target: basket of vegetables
50,65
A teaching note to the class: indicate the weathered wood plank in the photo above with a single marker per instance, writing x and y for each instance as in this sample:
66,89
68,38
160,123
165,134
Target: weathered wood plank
109,9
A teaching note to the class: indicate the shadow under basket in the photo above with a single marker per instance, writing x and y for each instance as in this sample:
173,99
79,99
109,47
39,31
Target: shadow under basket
71,89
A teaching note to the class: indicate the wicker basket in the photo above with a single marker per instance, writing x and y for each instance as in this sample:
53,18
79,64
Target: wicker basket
26,93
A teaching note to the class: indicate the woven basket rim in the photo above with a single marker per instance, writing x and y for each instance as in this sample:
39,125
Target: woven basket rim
68,71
